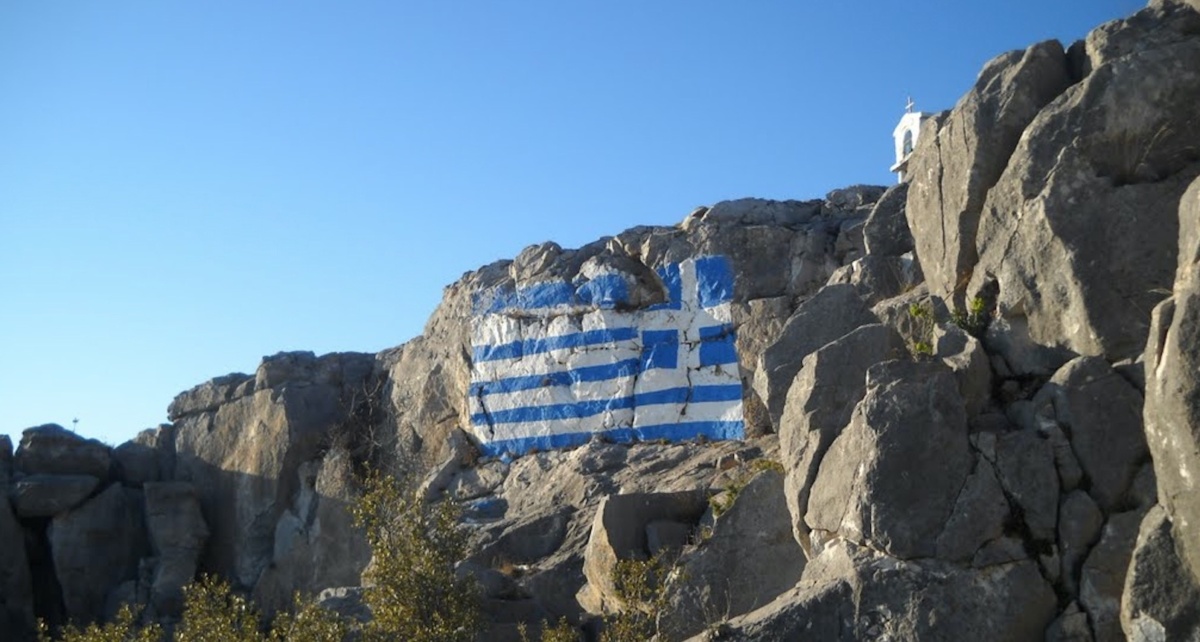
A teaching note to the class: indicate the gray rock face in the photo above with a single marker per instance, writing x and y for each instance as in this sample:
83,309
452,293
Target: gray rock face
49,495
178,534
244,457
1079,524
16,587
886,231
96,547
1078,235
1172,415
1103,577
953,168
892,477
833,312
1102,415
619,532
1161,599
148,457
1025,466
748,560
53,450
822,397
849,593
978,517
877,278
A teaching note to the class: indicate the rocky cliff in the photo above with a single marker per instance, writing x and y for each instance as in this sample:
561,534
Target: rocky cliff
963,407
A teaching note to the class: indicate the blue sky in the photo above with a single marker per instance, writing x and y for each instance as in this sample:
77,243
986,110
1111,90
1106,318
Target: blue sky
188,186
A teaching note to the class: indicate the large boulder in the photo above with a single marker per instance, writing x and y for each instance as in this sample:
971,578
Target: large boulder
1102,579
886,231
954,166
832,313
1077,238
891,479
619,533
852,593
747,560
16,586
822,397
1101,413
51,449
96,547
244,455
1172,414
1161,599
49,495
178,534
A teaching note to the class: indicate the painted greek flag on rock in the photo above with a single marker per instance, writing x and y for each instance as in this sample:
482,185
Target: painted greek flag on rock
556,362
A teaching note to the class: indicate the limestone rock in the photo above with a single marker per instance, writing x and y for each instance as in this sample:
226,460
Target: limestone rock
53,450
48,495
1103,576
892,477
886,231
1172,385
96,547
244,456
832,313
16,587
148,457
978,517
1102,414
178,534
953,167
849,593
1079,524
1161,599
1070,626
877,278
210,394
1078,236
819,404
1025,467
964,354
748,560
619,532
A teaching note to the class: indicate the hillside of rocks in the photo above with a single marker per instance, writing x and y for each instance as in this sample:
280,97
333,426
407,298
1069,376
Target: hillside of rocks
963,407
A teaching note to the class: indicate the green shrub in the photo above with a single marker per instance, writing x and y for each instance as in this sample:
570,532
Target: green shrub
641,585
411,587
974,320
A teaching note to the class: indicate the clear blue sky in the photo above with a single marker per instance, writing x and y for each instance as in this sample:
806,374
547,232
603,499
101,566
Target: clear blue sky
188,186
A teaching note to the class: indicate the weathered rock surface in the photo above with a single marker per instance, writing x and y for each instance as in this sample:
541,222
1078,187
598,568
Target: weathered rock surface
178,534
819,404
16,585
1103,577
1172,414
1077,237
1102,415
886,231
53,450
619,533
890,480
851,593
1161,599
244,456
49,495
748,559
96,547
953,167
832,313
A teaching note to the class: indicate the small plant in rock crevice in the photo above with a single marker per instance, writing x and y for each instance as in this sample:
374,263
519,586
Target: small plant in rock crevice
924,323
974,319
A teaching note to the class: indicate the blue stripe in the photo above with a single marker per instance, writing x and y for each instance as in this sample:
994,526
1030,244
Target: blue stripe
581,409
672,279
626,368
716,430
714,281
518,349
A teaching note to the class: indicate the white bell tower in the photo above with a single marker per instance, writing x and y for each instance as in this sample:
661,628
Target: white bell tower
905,135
